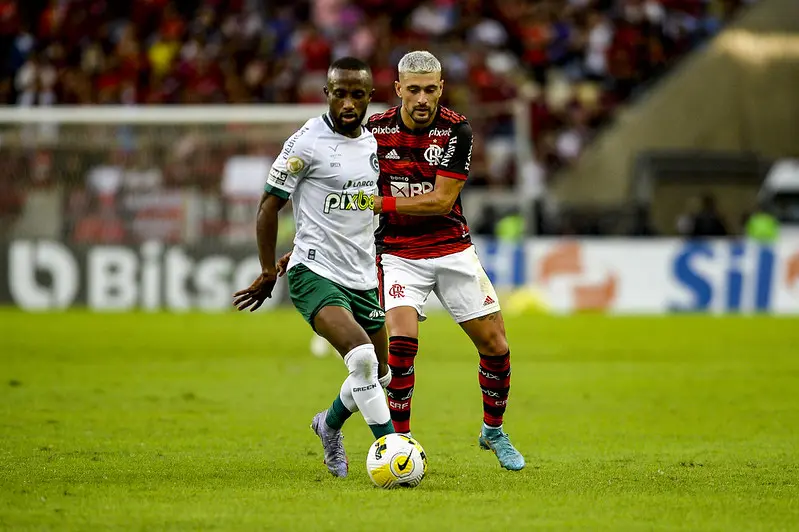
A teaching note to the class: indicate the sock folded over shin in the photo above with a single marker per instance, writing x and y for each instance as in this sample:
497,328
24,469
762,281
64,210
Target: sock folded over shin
365,392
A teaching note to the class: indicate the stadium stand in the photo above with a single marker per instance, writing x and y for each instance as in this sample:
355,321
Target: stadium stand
577,61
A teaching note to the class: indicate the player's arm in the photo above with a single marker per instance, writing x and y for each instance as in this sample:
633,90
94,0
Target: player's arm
291,166
437,202
453,170
266,230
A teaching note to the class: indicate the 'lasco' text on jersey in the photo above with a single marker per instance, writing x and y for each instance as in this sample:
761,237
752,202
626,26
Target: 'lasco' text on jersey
331,179
409,163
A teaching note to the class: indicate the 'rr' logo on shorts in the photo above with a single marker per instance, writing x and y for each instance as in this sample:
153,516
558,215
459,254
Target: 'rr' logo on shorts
396,290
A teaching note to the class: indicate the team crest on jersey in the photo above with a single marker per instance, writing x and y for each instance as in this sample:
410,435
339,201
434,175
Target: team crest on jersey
294,164
375,164
433,154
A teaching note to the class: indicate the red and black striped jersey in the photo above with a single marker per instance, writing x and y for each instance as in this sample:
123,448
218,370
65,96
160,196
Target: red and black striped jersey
409,160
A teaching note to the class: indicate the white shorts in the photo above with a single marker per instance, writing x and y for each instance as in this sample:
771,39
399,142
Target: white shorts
458,280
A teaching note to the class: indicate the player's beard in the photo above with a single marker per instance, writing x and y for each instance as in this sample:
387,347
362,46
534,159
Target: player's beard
350,126
419,120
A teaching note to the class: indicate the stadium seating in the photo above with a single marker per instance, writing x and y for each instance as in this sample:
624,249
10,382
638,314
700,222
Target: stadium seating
577,60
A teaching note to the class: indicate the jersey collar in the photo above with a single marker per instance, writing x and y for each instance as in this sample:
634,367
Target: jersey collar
329,122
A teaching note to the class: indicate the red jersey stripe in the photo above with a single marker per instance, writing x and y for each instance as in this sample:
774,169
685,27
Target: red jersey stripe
409,162
452,175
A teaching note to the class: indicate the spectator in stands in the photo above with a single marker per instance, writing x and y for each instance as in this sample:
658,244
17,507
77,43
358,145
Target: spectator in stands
642,223
101,225
702,219
487,221
584,58
12,197
709,222
35,82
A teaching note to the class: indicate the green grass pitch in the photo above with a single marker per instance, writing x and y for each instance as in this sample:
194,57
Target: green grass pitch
201,422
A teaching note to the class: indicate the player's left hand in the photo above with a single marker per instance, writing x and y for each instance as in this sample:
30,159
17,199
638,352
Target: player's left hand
254,296
378,205
283,264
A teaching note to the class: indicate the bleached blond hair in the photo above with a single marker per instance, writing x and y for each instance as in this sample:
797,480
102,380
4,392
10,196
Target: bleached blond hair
419,62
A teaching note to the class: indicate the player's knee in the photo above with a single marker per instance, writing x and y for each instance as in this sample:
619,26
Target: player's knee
336,325
362,361
493,344
344,345
403,321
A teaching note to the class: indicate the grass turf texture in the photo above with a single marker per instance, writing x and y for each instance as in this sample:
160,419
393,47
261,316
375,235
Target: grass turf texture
161,422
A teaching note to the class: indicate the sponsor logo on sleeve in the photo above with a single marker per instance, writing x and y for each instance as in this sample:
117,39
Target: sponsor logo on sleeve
277,177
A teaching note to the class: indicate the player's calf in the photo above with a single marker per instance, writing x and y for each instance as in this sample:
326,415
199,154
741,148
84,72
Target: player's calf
488,334
362,387
494,378
401,354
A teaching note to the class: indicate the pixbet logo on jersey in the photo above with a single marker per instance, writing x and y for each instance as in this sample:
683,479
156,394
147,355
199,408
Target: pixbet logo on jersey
344,201
383,130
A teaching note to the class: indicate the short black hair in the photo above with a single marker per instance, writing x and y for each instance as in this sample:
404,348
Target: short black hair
349,63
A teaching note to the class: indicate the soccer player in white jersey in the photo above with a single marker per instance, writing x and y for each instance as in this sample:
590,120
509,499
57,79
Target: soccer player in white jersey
329,169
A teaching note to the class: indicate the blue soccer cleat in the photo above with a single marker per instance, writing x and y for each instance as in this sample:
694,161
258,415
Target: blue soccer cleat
332,442
495,439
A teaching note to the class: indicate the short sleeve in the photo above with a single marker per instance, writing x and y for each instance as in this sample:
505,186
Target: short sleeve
291,165
458,153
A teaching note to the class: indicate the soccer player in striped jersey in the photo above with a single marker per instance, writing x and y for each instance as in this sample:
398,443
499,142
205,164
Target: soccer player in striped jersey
423,245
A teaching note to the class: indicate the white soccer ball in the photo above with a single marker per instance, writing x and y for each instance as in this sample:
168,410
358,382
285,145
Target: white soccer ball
396,460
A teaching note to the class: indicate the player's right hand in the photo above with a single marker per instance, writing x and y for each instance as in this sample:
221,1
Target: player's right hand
254,296
282,264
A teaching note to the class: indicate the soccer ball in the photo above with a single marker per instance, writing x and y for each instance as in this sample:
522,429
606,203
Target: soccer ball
319,346
395,460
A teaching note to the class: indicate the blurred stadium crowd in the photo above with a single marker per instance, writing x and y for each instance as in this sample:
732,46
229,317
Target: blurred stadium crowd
573,61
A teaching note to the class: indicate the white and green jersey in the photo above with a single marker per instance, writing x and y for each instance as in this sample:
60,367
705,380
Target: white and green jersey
331,180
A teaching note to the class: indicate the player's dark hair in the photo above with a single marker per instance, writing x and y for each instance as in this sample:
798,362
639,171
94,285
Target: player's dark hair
349,63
